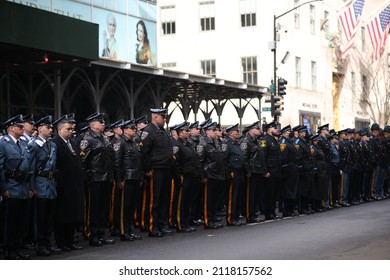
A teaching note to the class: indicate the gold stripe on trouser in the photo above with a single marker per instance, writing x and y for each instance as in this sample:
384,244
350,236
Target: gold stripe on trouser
112,206
151,205
206,217
372,191
331,193
87,211
341,188
122,225
170,218
143,205
178,209
247,197
230,199
136,217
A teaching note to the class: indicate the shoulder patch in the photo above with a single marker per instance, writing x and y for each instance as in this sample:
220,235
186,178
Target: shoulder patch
116,146
39,143
224,147
282,147
199,149
243,145
83,144
23,138
175,149
144,134
263,143
6,138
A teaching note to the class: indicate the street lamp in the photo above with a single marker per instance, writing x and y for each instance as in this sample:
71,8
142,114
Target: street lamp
274,50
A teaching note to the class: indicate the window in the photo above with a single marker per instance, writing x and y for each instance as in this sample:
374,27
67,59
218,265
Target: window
312,20
168,22
207,15
208,67
314,75
296,15
249,70
248,12
298,72
363,39
325,23
353,83
171,65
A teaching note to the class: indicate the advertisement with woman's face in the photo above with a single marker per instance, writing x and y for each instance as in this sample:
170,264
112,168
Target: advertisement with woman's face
142,41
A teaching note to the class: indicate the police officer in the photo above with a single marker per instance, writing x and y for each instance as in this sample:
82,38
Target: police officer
273,164
324,145
157,156
255,169
44,158
235,162
320,189
140,123
289,177
95,157
189,174
345,166
15,187
213,174
127,174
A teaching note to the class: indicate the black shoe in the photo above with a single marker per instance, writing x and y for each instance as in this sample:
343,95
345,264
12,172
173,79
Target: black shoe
253,220
115,232
76,247
23,256
43,252
184,230
165,231
95,242
127,237
11,256
304,211
234,224
217,220
107,241
30,246
54,250
270,217
192,229
65,248
136,236
155,233
336,205
211,226
346,204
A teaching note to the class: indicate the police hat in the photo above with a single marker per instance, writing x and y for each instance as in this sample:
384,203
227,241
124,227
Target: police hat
182,126
117,124
375,126
15,120
95,117
129,124
81,127
233,127
350,130
296,128
206,123
323,127
194,125
315,137
212,126
344,131
219,127
48,121
271,124
29,119
387,128
161,111
142,119
252,126
285,129
364,132
71,118
64,118
303,128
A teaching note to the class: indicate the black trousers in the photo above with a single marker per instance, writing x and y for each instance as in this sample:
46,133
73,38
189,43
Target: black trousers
99,205
197,203
64,234
173,198
45,212
159,187
237,181
116,209
335,184
254,193
16,215
212,191
129,197
185,199
272,186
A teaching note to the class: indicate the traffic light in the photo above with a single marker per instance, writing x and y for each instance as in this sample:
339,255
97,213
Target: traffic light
277,106
282,86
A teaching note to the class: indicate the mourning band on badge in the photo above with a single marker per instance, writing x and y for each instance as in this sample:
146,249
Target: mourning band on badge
116,146
243,146
224,147
175,149
144,134
83,144
199,149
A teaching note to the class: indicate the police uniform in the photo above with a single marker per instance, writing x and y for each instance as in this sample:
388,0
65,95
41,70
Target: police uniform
157,156
213,172
44,158
95,157
255,169
324,145
289,177
189,174
272,157
235,162
320,188
16,188
127,171
345,167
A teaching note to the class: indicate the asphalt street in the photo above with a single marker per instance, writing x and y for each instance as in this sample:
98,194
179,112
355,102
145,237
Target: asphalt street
359,232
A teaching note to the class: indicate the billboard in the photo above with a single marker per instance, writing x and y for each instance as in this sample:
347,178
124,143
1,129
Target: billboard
127,28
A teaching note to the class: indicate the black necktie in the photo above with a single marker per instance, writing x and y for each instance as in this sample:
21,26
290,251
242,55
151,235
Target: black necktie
70,146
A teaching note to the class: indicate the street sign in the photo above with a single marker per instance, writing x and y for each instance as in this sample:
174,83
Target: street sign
266,109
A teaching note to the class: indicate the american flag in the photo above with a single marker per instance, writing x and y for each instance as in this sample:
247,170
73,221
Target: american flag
350,19
378,29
